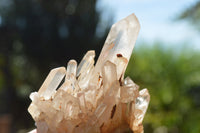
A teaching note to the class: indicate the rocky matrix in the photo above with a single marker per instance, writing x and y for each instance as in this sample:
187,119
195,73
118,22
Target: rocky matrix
92,98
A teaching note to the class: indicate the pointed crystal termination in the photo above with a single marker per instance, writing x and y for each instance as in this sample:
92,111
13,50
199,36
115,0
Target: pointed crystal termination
120,43
71,71
51,82
94,99
86,63
85,69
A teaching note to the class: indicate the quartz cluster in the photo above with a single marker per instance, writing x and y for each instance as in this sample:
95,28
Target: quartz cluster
92,98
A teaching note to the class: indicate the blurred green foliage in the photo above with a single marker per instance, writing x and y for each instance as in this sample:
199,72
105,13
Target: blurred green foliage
172,76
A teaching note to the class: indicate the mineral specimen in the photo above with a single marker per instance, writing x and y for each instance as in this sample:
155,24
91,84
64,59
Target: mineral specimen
94,98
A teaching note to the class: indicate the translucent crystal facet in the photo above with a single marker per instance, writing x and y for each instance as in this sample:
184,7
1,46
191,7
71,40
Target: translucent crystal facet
85,69
94,99
71,70
120,43
51,82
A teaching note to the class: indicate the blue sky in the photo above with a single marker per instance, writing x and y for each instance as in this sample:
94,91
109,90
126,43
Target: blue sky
156,18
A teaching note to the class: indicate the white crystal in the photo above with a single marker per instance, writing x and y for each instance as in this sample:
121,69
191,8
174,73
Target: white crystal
129,91
109,75
142,102
71,71
93,99
120,43
85,69
51,82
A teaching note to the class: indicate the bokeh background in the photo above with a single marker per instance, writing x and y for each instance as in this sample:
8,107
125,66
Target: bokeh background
38,35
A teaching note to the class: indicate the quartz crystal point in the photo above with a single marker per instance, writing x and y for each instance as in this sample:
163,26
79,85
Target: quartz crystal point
119,44
94,99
